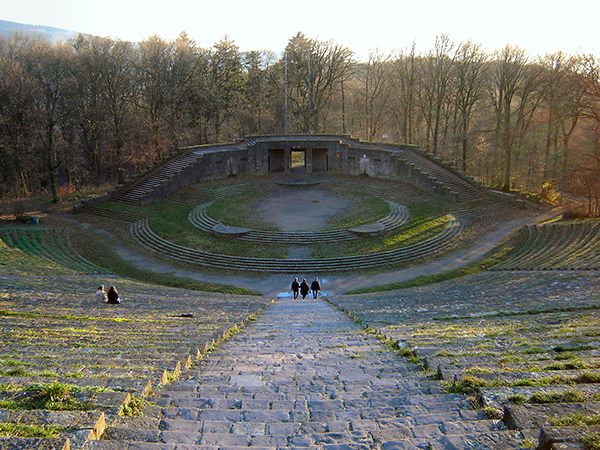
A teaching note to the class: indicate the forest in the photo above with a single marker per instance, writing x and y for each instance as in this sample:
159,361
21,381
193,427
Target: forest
95,110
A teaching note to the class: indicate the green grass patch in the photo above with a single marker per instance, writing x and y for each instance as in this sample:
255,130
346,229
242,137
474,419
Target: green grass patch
570,396
29,431
576,419
591,441
466,385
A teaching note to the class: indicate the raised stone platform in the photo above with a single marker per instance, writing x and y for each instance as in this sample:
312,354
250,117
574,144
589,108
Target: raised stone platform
228,231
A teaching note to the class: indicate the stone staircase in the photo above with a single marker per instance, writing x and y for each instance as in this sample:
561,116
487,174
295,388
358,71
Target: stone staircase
305,376
135,193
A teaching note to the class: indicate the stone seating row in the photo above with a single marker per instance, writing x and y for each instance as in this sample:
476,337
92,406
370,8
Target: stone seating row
557,246
397,217
145,236
52,244
493,212
524,346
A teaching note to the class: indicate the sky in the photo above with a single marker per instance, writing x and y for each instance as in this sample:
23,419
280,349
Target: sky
366,26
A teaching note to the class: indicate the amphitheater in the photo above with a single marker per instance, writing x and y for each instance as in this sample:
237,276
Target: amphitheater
505,357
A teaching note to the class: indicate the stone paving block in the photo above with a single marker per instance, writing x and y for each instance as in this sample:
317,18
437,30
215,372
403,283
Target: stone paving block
301,441
144,422
364,425
479,426
125,434
269,441
180,413
395,434
427,419
191,426
266,416
287,429
394,422
286,405
152,446
338,426
249,428
317,415
224,440
220,415
427,431
348,414
105,445
180,437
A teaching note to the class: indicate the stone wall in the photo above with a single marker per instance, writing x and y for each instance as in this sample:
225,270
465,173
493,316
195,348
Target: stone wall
261,155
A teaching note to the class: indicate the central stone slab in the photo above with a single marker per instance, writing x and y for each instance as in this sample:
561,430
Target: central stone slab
302,210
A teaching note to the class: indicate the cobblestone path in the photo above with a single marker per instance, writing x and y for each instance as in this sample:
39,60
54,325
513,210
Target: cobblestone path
304,375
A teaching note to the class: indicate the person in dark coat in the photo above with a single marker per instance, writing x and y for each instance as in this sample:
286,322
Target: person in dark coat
295,288
315,287
113,296
304,288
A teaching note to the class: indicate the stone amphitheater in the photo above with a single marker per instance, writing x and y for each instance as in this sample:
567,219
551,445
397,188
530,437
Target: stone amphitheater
507,358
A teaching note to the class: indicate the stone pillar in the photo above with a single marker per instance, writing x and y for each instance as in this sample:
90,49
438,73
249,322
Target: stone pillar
287,160
308,159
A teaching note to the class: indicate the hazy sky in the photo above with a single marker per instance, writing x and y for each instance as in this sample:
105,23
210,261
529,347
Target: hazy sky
538,27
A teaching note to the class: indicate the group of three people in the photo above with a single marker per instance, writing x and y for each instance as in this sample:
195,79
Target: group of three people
302,288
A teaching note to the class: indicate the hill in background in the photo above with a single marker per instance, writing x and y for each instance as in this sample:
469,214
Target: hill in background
50,33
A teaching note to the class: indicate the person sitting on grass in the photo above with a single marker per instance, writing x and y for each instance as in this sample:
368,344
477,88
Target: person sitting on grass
113,296
100,294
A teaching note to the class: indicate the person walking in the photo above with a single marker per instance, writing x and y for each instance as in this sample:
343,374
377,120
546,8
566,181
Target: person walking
315,287
304,288
295,288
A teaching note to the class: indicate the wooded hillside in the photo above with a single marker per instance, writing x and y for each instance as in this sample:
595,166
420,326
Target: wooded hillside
92,109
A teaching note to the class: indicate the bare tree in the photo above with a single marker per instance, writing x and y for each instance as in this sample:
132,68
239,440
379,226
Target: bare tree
403,91
119,92
512,92
49,66
468,80
376,74
435,79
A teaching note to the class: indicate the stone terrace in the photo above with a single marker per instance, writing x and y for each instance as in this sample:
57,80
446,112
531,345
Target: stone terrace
54,331
525,345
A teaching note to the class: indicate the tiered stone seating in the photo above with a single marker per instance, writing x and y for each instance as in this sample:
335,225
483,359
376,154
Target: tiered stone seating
557,246
55,332
48,243
524,345
145,236
136,191
397,217
197,195
493,212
